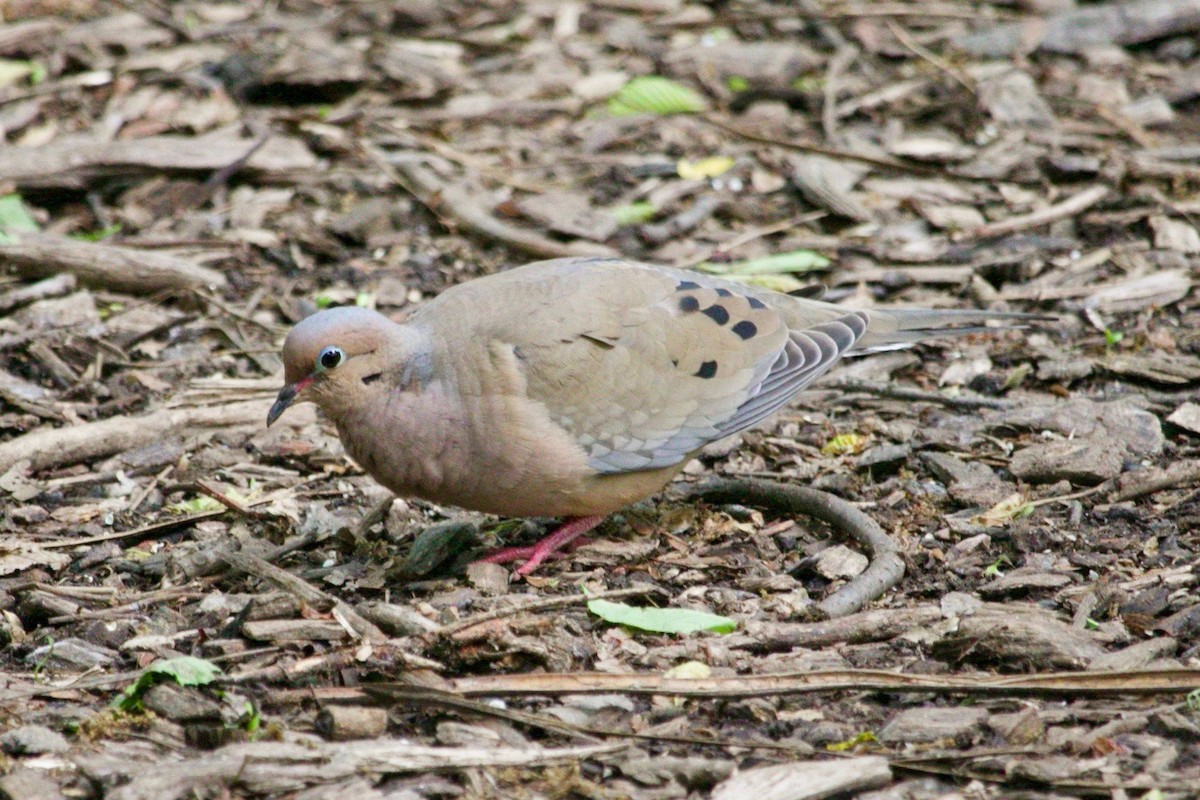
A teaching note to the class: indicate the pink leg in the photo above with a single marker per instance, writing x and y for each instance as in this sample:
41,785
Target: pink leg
562,536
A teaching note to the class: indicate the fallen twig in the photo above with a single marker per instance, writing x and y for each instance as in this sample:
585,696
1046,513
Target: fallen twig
120,269
688,219
886,567
807,147
1076,204
306,593
876,625
51,447
906,393
1180,474
1060,684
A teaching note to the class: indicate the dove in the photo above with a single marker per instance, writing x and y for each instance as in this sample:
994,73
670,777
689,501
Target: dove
572,387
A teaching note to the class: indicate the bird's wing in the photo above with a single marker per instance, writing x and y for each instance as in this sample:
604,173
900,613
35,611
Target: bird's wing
642,365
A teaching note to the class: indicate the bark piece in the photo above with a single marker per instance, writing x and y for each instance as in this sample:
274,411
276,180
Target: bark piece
1082,461
71,654
1016,636
806,780
33,740
569,213
181,703
1087,27
1021,582
303,630
1136,656
921,725
277,768
25,783
1013,99
1169,369
75,162
1187,416
345,723
761,64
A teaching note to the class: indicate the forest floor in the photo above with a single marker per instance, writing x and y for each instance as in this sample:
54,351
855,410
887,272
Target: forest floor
192,605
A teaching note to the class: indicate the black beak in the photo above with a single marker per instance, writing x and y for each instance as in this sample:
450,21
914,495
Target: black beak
287,395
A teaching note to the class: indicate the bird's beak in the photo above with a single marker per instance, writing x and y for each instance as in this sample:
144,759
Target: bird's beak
287,396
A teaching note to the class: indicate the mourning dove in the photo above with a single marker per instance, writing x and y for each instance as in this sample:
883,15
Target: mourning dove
572,387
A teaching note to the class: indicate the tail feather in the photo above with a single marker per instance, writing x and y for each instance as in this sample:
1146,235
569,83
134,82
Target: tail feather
895,326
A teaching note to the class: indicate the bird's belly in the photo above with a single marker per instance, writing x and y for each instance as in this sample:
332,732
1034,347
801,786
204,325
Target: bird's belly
501,457
548,494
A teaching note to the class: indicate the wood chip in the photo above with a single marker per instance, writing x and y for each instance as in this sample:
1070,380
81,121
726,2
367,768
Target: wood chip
805,780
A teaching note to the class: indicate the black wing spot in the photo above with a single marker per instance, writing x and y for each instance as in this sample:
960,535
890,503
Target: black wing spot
724,293
606,344
707,370
745,329
688,304
717,314
686,285
755,302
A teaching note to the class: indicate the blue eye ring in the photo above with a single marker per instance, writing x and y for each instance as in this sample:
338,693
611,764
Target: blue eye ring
329,358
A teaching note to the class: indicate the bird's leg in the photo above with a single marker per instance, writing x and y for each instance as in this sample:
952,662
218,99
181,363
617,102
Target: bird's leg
562,536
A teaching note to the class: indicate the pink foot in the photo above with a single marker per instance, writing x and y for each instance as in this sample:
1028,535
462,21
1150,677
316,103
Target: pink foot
562,537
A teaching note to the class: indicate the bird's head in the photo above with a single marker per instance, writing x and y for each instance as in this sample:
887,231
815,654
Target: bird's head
333,358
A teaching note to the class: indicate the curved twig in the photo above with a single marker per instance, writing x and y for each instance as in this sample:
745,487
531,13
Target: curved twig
886,567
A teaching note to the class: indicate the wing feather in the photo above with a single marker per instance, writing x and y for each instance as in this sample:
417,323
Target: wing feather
643,365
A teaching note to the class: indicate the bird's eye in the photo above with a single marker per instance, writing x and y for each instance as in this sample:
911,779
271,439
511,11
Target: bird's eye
330,357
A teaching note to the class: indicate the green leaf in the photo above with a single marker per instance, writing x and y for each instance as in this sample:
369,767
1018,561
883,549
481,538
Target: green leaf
200,504
737,84
993,569
655,95
776,283
14,218
660,620
866,737
13,72
250,720
635,213
1112,338
779,263
704,168
98,235
184,670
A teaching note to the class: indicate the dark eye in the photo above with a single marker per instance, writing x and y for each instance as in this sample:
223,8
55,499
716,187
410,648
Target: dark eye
330,357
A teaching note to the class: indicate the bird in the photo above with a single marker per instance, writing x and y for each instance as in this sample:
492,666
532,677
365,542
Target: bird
572,387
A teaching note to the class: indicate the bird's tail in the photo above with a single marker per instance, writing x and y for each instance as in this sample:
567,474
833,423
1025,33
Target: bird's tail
894,326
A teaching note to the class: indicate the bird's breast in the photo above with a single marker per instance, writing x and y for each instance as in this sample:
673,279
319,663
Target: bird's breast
498,453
